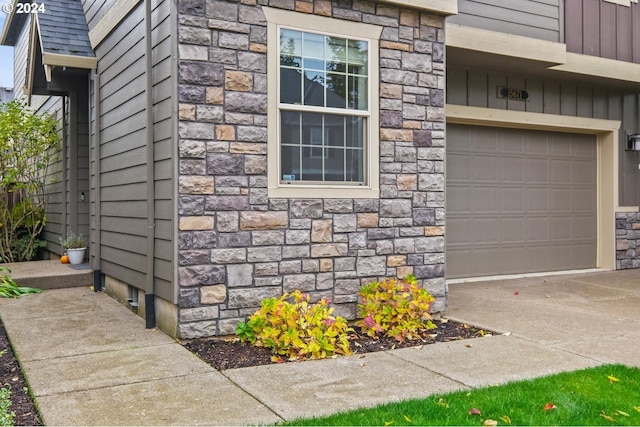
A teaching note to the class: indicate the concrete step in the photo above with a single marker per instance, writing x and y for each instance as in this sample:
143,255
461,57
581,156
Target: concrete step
49,274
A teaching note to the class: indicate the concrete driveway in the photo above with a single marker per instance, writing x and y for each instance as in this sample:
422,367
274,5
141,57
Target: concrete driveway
595,315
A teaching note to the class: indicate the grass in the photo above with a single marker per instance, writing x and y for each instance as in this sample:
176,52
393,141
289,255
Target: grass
606,395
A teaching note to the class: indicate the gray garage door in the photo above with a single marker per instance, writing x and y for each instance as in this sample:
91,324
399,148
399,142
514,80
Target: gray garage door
519,201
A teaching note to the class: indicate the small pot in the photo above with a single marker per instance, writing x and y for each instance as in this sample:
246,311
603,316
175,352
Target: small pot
76,256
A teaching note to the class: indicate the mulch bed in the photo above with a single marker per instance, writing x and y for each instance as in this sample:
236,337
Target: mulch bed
11,376
230,353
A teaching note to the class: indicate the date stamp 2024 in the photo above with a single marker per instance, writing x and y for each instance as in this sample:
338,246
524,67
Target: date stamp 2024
23,8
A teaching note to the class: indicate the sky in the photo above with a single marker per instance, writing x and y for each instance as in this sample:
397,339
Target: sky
6,59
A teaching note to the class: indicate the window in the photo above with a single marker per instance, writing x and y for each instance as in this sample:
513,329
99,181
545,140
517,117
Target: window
323,106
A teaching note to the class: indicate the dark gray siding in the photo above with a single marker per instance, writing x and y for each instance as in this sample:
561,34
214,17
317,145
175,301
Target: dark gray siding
540,19
478,89
123,163
604,29
55,185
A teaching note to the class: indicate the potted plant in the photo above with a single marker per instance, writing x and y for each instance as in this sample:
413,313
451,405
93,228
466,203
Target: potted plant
75,246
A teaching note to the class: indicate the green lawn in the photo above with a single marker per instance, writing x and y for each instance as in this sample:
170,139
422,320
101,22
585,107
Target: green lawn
606,395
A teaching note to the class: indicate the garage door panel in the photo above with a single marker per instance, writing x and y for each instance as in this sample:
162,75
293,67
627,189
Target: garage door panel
512,200
537,199
519,201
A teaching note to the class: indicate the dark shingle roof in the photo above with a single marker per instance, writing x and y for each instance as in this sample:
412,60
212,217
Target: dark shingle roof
63,28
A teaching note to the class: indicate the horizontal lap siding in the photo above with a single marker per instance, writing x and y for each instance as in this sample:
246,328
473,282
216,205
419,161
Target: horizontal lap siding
478,89
604,29
55,196
21,53
123,136
163,94
122,160
530,18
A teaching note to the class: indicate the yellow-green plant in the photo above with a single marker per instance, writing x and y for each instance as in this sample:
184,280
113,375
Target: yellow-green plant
10,289
294,328
396,308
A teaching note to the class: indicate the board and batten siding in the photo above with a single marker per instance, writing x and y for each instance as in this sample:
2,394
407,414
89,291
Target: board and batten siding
477,88
540,19
604,29
123,167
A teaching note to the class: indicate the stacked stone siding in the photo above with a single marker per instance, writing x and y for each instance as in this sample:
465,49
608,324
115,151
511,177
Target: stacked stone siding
236,245
627,240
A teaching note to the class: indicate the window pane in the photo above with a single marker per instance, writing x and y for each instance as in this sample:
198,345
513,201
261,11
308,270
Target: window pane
334,164
355,132
336,90
336,49
357,56
290,163
291,91
311,164
291,42
314,88
313,45
290,127
354,166
358,93
334,130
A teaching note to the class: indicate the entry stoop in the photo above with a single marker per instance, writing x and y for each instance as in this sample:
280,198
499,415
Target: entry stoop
49,274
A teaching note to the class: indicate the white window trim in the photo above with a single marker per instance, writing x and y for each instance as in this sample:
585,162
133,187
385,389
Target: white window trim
305,22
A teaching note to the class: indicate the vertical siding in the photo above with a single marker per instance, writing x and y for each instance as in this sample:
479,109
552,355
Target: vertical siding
604,29
530,18
123,146
468,87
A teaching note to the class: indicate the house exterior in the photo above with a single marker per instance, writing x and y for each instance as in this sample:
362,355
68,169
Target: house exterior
221,152
6,94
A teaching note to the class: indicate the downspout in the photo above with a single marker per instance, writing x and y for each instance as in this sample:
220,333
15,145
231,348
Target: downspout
64,168
149,296
97,260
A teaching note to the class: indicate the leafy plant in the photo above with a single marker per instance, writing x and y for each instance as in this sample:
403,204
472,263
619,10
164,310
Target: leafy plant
10,289
396,308
25,142
73,241
6,417
296,329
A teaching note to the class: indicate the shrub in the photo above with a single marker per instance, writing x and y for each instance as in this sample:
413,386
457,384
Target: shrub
396,308
297,329
26,140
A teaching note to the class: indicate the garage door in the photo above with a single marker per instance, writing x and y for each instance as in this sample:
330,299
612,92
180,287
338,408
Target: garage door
519,201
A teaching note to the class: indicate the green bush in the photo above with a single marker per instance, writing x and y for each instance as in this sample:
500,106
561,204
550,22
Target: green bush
395,308
26,140
296,329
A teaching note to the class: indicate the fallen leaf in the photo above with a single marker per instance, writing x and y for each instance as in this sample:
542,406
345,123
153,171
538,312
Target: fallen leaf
475,411
505,419
516,293
419,347
612,379
362,365
409,420
490,423
607,417
388,423
443,403
622,413
547,296
549,406
444,320
468,345
506,334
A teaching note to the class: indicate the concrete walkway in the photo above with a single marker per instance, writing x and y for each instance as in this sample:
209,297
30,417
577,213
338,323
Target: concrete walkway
90,361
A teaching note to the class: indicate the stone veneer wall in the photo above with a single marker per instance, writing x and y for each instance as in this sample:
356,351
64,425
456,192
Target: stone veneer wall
237,246
627,240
